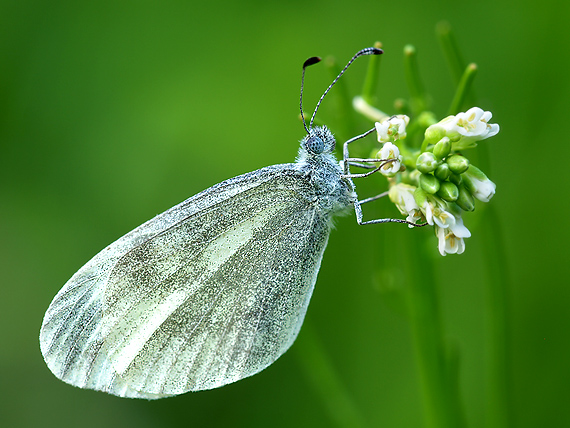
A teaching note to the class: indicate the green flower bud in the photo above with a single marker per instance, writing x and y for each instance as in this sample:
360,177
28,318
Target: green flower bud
465,199
448,191
442,148
429,183
420,197
457,164
426,162
442,172
434,133
456,179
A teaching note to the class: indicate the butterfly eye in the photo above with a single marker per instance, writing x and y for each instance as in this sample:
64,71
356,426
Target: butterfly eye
315,144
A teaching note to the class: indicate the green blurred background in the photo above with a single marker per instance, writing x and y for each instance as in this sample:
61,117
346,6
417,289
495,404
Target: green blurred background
113,111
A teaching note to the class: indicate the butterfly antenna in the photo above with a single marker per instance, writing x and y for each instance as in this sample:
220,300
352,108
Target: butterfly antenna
310,61
366,51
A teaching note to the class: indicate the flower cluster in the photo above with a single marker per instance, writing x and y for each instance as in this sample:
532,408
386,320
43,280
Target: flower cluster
440,183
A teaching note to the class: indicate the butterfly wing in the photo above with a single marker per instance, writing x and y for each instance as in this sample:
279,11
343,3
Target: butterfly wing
209,292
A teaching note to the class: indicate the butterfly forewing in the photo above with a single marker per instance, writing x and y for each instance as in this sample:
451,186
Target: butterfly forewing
211,291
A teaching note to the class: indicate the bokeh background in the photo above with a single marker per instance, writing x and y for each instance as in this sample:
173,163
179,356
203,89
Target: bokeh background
113,111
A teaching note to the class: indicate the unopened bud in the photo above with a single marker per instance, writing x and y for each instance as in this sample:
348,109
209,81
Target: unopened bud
478,184
426,162
442,148
434,133
448,191
457,164
429,183
420,197
442,172
456,179
465,199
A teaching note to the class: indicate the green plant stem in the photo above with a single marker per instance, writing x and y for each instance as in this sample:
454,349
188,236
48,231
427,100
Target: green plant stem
499,413
437,368
324,379
413,80
499,393
463,89
372,76
452,54
451,50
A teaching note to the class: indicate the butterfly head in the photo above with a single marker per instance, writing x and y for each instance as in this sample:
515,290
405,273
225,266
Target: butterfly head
319,140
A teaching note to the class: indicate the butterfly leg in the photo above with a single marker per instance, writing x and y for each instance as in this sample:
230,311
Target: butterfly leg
358,211
346,162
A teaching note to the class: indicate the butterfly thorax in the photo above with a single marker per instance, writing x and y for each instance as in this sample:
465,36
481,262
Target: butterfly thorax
332,192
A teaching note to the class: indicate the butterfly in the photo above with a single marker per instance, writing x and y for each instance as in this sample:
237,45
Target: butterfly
211,291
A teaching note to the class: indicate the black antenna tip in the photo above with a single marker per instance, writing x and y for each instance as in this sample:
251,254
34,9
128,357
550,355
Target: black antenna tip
376,51
311,61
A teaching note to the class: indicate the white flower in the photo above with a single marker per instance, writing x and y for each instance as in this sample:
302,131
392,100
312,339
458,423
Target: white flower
448,242
443,218
458,227
474,123
464,129
392,129
388,152
402,195
477,183
414,217
451,239
466,124
436,213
